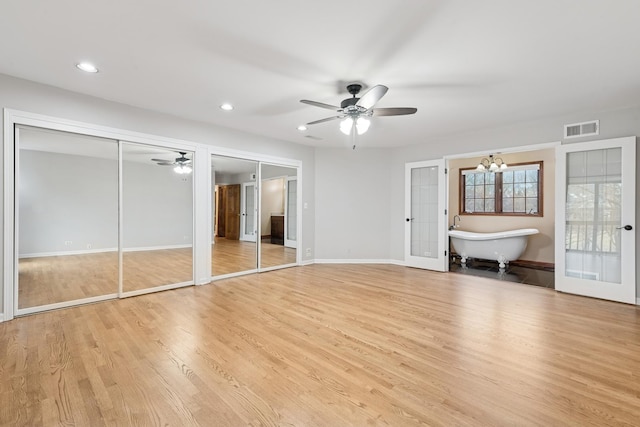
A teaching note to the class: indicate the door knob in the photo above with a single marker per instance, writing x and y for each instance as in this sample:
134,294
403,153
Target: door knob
409,219
626,227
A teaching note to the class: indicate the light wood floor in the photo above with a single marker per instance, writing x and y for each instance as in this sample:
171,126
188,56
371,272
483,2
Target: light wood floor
49,280
328,345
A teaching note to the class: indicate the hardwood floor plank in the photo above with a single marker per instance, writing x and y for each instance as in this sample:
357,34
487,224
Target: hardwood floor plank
327,345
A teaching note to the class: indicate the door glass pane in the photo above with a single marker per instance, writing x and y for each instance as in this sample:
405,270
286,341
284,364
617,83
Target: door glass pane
292,212
157,197
424,212
249,227
593,213
67,198
235,215
273,210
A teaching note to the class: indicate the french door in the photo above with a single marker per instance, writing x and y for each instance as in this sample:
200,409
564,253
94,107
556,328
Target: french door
425,219
595,219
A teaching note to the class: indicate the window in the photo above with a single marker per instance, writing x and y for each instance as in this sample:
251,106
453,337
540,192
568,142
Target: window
515,191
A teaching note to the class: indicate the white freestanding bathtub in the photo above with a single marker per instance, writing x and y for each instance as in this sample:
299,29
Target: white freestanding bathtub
502,246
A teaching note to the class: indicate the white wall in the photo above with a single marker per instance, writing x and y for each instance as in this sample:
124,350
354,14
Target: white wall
352,204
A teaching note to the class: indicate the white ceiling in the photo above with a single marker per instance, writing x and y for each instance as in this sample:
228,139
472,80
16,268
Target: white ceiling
464,64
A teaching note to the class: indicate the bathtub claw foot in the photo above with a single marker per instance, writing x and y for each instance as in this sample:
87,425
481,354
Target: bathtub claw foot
463,259
502,262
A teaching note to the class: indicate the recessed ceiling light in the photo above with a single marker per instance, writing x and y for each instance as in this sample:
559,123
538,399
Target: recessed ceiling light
87,67
226,107
302,128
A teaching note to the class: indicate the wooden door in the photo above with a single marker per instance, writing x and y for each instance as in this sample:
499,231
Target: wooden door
222,212
232,221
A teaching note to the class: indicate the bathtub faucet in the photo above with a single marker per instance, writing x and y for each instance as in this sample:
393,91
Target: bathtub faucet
454,222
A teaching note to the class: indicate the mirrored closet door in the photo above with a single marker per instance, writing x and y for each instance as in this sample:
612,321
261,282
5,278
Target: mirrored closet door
278,216
234,216
157,218
66,219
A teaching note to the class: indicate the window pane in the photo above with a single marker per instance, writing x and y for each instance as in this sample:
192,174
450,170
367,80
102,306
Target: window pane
468,179
507,190
489,205
469,205
531,190
532,176
490,191
531,205
480,178
507,205
507,177
490,178
469,192
518,190
518,176
480,192
518,204
479,205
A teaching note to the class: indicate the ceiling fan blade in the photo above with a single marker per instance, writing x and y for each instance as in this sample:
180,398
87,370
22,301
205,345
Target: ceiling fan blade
160,160
183,160
398,111
320,104
372,96
166,163
328,119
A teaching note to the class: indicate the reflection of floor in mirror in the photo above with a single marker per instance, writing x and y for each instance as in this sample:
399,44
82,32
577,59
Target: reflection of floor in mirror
49,280
54,279
232,256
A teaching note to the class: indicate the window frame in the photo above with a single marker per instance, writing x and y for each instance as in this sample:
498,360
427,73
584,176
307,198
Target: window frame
498,193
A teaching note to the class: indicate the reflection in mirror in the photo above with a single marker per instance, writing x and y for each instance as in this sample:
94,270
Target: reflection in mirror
67,198
235,210
157,236
278,216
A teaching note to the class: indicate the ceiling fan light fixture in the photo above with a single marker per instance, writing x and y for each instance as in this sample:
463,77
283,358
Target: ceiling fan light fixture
302,128
346,125
183,169
226,106
362,125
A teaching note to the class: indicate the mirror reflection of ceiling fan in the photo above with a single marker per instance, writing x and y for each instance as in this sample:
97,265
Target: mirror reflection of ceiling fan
182,164
355,112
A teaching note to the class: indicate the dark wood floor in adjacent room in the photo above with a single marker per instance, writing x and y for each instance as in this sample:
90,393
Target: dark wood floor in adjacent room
327,345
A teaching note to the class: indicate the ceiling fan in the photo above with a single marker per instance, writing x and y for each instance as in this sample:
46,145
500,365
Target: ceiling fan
357,111
182,164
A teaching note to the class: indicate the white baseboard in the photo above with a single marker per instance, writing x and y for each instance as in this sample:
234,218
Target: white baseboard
97,251
1,317
307,262
637,301
355,261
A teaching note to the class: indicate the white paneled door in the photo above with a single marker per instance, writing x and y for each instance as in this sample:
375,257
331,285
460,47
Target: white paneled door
595,219
425,220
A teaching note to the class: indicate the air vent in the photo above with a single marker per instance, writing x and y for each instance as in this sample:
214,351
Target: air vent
576,130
